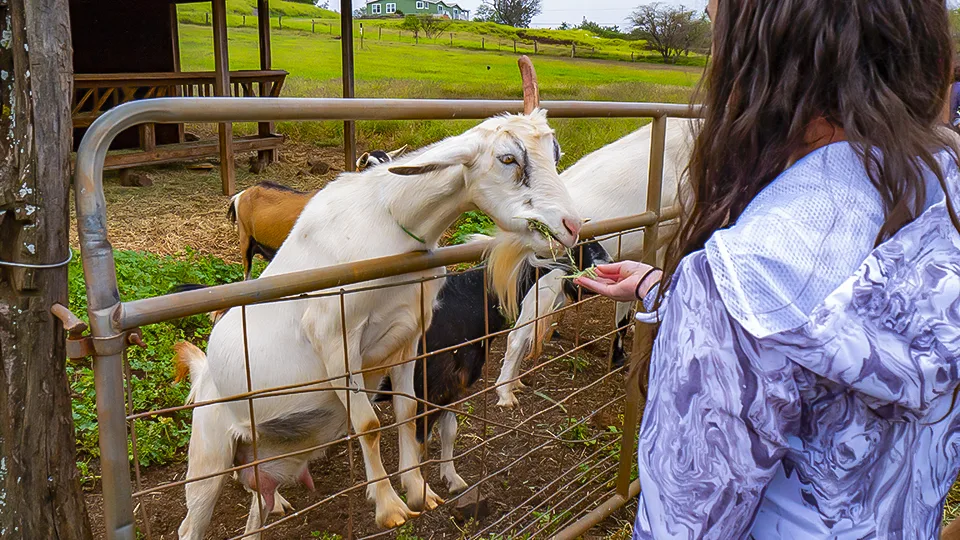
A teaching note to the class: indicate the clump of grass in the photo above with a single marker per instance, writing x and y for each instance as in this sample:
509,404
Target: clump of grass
588,272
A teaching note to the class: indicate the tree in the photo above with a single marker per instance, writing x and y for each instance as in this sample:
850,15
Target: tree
432,26
516,13
610,32
359,13
671,31
564,26
484,13
40,493
411,23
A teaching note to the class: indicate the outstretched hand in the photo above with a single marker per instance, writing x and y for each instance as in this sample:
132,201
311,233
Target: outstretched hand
619,281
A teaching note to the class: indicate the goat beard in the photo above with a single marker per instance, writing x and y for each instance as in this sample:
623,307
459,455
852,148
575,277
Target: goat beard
507,257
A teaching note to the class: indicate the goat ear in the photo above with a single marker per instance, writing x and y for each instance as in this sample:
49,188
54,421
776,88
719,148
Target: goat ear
362,161
436,159
398,152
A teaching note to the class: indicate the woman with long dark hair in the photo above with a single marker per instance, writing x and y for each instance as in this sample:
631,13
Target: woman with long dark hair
803,380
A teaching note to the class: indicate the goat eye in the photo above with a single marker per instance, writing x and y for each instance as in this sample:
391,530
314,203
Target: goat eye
507,159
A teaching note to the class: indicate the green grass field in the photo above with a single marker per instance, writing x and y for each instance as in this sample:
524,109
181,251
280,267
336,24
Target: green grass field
405,70
455,34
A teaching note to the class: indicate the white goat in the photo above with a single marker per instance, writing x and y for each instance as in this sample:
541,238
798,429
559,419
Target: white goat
609,183
505,167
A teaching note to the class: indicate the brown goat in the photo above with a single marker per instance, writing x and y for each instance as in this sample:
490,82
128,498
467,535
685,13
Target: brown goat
265,213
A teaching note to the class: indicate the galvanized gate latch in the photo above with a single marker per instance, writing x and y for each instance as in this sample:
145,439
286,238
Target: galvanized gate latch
82,346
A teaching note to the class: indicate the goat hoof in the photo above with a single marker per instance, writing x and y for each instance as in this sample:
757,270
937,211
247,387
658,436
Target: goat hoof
508,401
456,485
393,512
417,502
281,505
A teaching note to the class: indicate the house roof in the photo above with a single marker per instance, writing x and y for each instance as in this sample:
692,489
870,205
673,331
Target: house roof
448,4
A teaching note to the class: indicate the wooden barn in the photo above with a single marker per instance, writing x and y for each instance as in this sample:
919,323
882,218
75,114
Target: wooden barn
125,50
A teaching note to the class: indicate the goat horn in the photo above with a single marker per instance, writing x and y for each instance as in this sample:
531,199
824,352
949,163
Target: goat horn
531,92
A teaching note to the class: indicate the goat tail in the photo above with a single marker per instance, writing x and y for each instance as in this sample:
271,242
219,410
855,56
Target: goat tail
232,209
189,359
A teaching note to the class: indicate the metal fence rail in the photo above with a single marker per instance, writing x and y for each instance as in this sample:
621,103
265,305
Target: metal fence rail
113,323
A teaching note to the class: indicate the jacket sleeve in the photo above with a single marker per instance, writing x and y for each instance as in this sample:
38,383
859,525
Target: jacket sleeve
892,331
716,422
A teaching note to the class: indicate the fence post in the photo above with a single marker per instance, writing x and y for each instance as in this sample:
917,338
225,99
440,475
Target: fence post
631,57
451,39
514,45
536,49
483,43
573,52
280,19
208,18
244,23
313,26
643,334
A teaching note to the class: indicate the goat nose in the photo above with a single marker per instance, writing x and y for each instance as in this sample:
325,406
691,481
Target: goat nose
572,226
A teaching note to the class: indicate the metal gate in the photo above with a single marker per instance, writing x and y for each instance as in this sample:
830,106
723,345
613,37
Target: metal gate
576,504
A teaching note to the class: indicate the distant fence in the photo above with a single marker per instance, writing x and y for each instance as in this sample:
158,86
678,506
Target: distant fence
477,42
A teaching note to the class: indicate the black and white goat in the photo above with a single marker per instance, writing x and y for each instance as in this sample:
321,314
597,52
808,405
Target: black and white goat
505,167
459,318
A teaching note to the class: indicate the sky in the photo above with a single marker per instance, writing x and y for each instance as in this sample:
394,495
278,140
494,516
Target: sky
605,12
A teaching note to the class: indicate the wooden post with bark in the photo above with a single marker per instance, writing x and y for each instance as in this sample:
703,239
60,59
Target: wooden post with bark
40,493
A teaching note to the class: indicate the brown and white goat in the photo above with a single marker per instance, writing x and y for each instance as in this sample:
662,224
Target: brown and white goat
265,213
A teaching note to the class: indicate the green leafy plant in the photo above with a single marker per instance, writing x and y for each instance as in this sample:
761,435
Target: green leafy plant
160,439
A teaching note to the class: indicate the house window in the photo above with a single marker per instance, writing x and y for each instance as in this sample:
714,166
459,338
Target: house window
456,13
391,8
421,4
440,9
374,9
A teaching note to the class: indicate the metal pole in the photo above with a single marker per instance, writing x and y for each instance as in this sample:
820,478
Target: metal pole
642,336
578,528
346,47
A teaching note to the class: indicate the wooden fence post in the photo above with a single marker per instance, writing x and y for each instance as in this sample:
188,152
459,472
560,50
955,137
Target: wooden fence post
244,23
280,19
514,45
536,49
451,39
208,18
631,57
39,483
483,43
573,52
313,25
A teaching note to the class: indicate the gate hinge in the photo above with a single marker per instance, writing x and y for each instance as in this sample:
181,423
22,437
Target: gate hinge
82,346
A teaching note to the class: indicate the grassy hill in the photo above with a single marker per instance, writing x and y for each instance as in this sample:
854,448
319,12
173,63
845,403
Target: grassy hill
195,12
457,34
403,70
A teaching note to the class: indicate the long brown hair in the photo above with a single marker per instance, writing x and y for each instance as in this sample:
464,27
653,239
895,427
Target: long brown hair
879,70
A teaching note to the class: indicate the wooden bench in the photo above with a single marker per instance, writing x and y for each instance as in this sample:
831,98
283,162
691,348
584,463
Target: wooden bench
94,94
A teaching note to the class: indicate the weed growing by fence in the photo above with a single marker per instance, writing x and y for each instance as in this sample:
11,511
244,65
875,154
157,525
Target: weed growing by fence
142,275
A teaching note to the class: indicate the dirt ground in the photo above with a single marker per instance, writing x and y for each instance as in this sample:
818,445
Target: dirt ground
185,207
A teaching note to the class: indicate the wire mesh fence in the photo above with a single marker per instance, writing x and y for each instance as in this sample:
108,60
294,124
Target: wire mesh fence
527,471
549,464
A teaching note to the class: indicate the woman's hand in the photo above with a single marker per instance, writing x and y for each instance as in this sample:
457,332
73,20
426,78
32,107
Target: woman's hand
621,281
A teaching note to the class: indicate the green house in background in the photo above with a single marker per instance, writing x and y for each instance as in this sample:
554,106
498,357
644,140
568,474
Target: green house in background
389,8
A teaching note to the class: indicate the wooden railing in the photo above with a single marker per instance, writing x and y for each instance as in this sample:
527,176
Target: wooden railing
95,93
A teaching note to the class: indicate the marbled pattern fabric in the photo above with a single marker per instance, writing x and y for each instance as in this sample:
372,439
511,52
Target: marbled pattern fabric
843,426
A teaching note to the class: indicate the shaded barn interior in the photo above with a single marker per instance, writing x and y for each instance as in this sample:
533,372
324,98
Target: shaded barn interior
128,50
